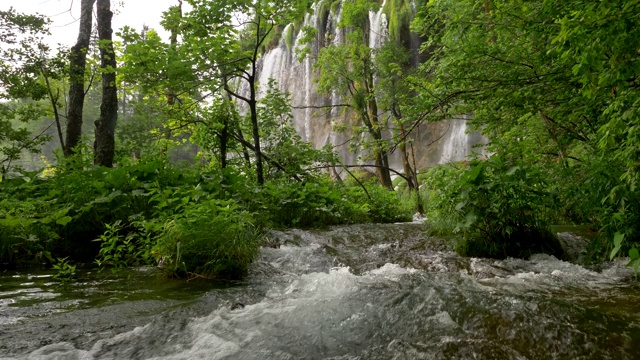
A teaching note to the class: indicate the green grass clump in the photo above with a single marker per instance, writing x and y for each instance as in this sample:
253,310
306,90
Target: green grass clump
212,239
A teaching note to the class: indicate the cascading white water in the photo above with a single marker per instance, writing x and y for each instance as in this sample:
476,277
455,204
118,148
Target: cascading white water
315,115
456,145
378,28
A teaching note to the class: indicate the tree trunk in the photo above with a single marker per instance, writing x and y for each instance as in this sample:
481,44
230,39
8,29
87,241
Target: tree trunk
224,141
77,68
54,105
406,166
226,129
245,150
554,136
106,124
252,99
409,172
253,104
382,160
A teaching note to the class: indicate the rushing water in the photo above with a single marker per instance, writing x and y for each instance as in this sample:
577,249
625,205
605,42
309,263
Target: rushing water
357,292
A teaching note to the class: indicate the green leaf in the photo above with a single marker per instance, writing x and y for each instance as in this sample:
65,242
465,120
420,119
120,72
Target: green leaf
617,242
64,220
513,170
635,262
470,219
138,192
472,174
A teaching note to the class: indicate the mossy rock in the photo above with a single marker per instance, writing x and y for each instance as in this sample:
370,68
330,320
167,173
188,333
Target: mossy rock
520,244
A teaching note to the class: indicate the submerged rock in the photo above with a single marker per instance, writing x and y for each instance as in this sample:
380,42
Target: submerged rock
519,244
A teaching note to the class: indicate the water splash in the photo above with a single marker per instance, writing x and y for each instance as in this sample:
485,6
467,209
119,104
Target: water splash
342,294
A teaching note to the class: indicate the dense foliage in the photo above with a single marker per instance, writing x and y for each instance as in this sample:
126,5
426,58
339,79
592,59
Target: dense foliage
200,221
553,84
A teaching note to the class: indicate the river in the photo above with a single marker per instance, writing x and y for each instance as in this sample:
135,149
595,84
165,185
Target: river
350,292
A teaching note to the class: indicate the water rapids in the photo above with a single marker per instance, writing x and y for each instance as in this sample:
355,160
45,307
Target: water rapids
380,292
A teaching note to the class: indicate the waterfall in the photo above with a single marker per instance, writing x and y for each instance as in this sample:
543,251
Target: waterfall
316,115
378,28
456,145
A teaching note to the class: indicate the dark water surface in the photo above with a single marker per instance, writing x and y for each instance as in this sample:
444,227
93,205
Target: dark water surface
356,292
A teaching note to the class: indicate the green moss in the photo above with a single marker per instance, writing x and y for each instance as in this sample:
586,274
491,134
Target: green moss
399,14
324,7
335,6
273,39
289,35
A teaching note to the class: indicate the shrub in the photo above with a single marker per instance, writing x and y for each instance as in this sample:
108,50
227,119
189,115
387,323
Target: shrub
24,242
122,247
437,186
213,238
503,209
382,205
322,202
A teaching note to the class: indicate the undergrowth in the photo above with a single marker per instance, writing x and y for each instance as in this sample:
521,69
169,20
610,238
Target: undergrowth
192,221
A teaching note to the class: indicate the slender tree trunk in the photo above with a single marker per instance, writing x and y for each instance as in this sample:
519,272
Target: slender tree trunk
252,99
409,172
245,150
334,173
54,105
253,104
406,166
226,130
419,200
554,136
253,107
382,160
224,141
106,124
77,68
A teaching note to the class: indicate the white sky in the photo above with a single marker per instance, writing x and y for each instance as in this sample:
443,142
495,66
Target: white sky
65,13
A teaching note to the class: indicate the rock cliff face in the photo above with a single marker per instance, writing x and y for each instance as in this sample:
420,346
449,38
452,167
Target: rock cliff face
314,118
